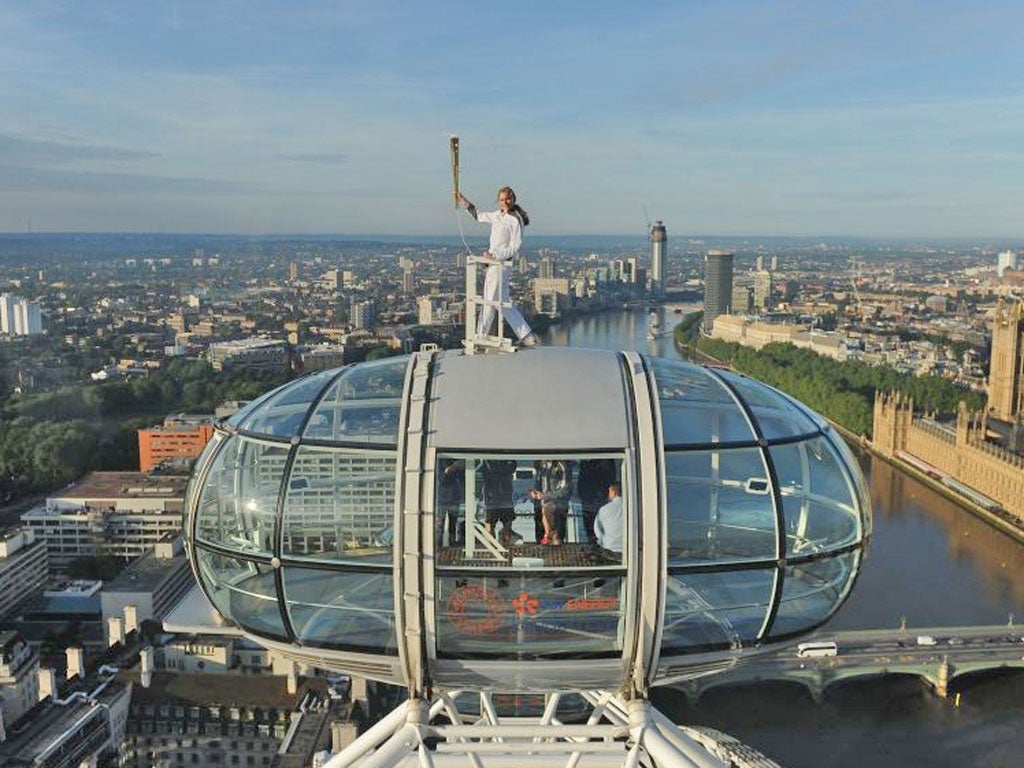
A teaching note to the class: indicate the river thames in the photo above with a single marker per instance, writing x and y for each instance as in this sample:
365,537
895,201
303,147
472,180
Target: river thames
930,563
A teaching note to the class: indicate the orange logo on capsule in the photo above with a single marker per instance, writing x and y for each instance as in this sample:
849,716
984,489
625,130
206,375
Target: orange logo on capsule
525,604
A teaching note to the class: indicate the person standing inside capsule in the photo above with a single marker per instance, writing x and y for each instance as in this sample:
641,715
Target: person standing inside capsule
506,239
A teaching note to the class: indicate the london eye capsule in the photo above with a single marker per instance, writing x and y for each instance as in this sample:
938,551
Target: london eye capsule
554,519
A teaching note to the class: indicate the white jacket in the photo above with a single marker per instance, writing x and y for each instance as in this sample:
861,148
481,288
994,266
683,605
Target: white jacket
506,234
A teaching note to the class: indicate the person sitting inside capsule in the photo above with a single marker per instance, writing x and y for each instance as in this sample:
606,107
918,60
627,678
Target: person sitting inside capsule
610,519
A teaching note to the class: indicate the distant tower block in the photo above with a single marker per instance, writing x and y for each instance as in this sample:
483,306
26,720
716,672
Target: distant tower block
75,661
131,619
115,631
1006,375
717,286
47,682
659,239
146,663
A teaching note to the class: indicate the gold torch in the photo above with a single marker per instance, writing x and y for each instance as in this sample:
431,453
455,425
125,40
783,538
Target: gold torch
454,142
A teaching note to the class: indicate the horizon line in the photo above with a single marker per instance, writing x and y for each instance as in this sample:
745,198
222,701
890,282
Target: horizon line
378,235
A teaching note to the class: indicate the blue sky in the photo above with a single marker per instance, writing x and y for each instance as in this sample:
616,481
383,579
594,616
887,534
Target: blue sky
828,118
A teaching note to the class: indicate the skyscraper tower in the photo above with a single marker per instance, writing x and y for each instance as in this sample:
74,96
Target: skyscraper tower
1006,377
717,286
547,265
659,238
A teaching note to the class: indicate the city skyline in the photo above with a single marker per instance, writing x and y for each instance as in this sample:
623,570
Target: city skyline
873,120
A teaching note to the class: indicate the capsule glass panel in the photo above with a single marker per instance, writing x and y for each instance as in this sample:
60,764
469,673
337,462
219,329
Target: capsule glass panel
696,409
704,610
238,504
523,616
282,415
813,591
354,610
363,406
820,510
720,507
251,407
340,505
550,540
242,590
850,459
776,416
192,490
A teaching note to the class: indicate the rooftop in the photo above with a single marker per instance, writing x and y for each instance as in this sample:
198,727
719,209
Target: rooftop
46,722
263,691
109,485
145,573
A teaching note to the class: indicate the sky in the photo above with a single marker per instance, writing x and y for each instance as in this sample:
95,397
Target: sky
874,119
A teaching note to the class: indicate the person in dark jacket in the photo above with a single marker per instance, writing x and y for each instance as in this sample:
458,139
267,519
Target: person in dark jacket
499,505
595,477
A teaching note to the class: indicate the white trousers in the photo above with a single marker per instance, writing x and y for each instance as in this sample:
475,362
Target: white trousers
496,288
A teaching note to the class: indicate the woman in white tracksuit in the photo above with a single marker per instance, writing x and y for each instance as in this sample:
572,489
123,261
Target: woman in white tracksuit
506,238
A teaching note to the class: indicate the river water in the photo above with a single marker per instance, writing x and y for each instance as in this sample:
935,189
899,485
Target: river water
931,563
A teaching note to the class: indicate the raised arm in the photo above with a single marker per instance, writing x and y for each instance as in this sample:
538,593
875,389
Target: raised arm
470,208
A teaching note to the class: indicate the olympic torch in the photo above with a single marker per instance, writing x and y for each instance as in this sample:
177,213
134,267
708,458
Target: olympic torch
454,143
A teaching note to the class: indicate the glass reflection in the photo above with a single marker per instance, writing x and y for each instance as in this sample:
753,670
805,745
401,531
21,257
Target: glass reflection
530,617
715,609
775,415
848,457
282,414
247,410
720,507
340,505
193,482
812,591
363,406
695,407
817,499
238,505
354,610
242,590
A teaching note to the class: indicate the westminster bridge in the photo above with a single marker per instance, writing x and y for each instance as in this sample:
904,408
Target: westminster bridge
938,656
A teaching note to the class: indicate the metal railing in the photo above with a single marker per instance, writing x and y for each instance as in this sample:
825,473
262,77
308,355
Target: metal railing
475,302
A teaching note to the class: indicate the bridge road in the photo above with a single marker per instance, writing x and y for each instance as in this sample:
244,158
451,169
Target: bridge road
940,656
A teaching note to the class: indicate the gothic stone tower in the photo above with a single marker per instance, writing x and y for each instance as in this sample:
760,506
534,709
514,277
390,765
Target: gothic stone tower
892,417
1006,376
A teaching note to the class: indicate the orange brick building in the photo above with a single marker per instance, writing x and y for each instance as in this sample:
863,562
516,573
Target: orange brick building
181,437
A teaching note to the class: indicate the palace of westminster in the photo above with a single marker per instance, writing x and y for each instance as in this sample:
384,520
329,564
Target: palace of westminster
982,454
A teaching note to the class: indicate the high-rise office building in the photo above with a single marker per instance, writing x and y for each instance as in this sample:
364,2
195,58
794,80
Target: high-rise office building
364,314
547,265
408,281
293,271
760,262
1007,260
523,267
19,317
426,309
762,288
1006,377
717,286
659,240
740,303
774,263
